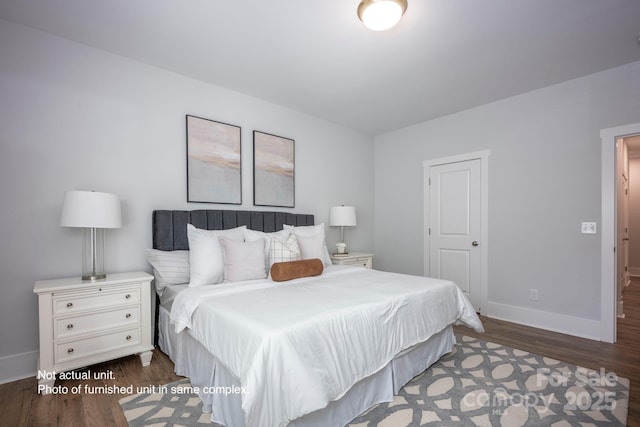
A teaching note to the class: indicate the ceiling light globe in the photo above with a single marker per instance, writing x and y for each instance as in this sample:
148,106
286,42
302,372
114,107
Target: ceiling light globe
381,15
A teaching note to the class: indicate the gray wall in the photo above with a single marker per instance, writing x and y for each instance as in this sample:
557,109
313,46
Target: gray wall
544,180
73,117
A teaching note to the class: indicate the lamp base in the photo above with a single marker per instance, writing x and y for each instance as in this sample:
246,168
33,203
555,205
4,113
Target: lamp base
93,255
93,277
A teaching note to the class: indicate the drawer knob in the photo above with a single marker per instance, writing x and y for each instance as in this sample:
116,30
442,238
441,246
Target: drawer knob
70,326
69,304
128,315
127,296
128,337
70,350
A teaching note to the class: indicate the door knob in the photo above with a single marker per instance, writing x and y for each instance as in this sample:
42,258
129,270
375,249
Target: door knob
475,243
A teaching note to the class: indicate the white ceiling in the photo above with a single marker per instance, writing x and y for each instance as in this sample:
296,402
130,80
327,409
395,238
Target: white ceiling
316,57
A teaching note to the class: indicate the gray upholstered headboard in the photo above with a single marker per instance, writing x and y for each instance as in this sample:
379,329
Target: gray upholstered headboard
170,227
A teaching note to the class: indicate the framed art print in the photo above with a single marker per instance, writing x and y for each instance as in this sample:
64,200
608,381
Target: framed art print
214,164
273,170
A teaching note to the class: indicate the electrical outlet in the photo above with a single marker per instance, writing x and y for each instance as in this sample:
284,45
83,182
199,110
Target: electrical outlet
589,228
533,294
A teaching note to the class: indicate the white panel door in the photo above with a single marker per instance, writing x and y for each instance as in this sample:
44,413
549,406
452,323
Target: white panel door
454,232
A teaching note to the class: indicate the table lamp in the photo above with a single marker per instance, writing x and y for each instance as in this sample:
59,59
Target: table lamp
93,211
342,216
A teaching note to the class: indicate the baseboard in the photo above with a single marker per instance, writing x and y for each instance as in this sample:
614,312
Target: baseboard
556,322
18,366
634,271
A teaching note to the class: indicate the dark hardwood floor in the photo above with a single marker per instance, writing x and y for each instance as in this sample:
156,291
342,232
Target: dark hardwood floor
20,405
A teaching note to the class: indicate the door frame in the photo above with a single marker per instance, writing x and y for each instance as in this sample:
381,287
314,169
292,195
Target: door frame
608,303
483,156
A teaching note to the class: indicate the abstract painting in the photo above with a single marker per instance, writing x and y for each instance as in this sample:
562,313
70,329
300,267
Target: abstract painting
273,170
214,164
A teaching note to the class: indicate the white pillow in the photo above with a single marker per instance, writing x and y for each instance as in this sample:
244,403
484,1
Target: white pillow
284,251
243,260
312,231
312,247
205,254
253,235
169,267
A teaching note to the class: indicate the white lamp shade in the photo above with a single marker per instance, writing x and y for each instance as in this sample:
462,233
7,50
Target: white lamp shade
343,216
91,209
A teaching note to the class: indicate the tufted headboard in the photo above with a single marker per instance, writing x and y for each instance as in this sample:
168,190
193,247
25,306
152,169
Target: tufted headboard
170,227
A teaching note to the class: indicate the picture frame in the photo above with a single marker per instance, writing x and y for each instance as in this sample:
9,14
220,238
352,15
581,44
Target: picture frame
273,170
214,161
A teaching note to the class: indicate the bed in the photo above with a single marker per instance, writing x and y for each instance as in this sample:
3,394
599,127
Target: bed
312,351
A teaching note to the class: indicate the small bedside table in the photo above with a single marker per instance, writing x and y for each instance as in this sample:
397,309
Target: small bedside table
353,258
83,322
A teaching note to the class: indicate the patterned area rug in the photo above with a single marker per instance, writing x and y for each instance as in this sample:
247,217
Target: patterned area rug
478,384
170,405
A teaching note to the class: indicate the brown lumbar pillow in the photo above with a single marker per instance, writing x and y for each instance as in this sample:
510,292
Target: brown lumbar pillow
281,271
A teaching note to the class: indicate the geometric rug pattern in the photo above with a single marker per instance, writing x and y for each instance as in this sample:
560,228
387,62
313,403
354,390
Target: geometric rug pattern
478,384
486,384
165,409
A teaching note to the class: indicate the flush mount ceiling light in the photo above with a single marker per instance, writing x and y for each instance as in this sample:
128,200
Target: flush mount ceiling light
380,15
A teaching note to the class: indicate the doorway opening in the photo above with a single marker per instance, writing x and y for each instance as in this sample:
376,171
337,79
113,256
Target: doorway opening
610,243
627,224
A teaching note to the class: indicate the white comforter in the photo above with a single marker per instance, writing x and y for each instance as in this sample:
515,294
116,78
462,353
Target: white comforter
298,345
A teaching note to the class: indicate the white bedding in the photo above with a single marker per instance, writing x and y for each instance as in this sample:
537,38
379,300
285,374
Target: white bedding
169,294
298,345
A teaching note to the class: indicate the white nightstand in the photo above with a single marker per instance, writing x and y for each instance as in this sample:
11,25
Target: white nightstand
353,258
83,323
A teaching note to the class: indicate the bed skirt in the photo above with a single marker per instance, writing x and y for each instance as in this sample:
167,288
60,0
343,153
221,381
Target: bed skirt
192,360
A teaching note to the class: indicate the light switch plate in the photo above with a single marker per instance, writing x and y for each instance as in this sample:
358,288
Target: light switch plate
589,228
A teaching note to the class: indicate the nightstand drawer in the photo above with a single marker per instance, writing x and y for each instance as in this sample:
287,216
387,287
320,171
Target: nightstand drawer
69,304
364,262
362,259
95,345
76,325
